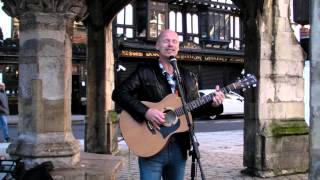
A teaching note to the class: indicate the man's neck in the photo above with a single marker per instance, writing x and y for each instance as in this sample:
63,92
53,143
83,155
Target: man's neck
166,65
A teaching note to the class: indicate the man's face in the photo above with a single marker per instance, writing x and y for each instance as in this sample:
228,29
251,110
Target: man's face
168,44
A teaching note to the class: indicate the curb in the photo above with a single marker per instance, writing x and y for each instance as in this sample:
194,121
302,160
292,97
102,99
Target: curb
76,119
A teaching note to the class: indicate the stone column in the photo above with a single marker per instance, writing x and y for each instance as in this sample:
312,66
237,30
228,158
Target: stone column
275,134
45,65
100,86
314,172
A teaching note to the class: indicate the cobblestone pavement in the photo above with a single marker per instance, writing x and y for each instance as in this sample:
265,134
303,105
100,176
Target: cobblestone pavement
221,159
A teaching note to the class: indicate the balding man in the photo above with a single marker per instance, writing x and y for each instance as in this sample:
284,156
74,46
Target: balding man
152,82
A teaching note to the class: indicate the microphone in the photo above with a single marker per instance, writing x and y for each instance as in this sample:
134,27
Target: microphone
173,62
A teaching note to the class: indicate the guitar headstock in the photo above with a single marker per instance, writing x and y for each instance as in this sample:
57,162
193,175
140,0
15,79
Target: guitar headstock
247,81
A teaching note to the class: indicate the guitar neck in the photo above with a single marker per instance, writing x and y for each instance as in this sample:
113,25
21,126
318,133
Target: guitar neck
203,100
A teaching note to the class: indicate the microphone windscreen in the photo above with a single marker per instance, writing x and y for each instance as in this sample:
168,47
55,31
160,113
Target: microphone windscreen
172,58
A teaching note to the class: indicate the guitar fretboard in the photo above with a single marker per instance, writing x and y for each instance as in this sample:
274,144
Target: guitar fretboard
204,100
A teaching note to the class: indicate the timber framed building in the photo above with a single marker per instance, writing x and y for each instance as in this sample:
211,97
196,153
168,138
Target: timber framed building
211,44
210,32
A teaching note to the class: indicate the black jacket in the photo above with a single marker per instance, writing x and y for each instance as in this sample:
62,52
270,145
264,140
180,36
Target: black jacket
147,83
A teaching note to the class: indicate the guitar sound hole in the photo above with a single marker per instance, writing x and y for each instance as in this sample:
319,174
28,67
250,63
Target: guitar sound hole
170,117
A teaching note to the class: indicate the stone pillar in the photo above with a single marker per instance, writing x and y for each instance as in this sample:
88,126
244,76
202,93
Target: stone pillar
314,172
100,86
275,134
45,65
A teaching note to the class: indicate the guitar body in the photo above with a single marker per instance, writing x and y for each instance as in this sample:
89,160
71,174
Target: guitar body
146,141
142,138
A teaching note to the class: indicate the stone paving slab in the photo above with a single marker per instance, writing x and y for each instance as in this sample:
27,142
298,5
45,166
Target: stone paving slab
221,159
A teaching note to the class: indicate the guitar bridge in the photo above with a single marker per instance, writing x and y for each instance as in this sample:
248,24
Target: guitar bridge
150,127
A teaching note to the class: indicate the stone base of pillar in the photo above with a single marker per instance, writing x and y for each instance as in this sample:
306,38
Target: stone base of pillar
283,148
92,166
62,149
271,173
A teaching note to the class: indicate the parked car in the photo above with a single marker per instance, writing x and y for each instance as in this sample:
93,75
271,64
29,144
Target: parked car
233,103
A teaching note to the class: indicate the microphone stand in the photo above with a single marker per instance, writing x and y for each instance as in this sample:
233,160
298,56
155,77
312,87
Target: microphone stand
195,150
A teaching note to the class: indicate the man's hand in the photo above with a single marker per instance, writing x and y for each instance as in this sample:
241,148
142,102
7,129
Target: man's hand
156,117
217,100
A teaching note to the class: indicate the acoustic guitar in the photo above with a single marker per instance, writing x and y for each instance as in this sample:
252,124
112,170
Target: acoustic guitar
145,140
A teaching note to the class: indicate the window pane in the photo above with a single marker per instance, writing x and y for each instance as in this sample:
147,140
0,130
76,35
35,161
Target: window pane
172,21
129,33
189,23
227,26
181,38
211,28
120,17
237,45
160,28
129,15
216,33
196,40
231,26
179,22
153,30
161,18
195,24
222,26
237,27
119,31
231,44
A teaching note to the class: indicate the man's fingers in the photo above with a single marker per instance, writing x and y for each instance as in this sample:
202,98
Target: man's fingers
155,125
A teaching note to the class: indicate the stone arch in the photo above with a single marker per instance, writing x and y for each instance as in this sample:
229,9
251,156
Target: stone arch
272,118
274,126
100,66
268,130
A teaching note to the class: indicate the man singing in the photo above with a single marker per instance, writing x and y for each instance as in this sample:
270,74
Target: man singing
152,82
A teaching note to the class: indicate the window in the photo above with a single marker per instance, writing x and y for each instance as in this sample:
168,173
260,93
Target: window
175,23
157,17
124,22
219,26
156,24
235,33
193,27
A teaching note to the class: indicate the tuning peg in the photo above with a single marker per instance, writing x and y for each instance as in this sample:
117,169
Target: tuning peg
244,89
254,85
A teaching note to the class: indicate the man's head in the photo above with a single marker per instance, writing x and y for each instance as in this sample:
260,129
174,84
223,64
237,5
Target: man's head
2,86
168,44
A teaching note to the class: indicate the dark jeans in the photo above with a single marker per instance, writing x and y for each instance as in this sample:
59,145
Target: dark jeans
168,163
